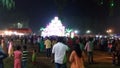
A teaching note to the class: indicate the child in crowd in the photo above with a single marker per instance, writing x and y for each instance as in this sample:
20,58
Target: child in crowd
34,57
24,57
17,57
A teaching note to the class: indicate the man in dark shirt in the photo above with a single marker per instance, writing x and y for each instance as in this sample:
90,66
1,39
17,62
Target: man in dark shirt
2,56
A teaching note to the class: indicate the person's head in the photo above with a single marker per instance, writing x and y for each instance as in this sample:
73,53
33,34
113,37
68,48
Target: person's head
46,38
24,47
90,39
60,39
18,48
77,50
34,50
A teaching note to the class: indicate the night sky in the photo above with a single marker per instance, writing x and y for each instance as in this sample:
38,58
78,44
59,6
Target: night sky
77,14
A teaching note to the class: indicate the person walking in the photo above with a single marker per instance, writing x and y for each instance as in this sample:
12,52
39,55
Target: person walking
34,56
59,53
41,45
89,48
118,52
76,58
2,56
10,49
17,57
48,45
24,57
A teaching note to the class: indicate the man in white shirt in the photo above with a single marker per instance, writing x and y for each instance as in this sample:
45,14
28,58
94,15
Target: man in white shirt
59,52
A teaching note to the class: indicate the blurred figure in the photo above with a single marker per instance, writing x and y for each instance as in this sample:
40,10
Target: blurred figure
17,57
24,57
34,57
4,47
118,53
2,56
41,45
59,53
10,49
89,48
113,51
54,41
109,46
76,58
2,43
48,45
70,43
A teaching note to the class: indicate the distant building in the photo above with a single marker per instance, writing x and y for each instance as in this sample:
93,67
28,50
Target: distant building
16,31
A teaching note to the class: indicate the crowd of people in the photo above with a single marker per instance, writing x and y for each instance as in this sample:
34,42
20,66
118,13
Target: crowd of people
60,50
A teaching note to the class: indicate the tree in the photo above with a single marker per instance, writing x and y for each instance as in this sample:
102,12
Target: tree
9,4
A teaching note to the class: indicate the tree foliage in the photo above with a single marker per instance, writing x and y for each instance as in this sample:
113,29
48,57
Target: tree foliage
9,4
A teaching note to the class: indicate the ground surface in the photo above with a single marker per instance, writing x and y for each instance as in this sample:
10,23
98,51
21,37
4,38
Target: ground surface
102,60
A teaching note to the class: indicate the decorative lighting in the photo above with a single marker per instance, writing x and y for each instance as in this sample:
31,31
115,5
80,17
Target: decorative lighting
54,28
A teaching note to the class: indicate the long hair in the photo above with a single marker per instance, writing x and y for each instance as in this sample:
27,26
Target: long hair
77,50
18,47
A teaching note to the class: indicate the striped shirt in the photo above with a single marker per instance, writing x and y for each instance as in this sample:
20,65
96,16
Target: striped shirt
25,55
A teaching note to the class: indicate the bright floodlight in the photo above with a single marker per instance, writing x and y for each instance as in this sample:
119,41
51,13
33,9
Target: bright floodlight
88,31
76,31
109,31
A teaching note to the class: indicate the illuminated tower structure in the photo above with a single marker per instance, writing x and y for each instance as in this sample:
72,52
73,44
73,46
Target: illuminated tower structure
54,28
